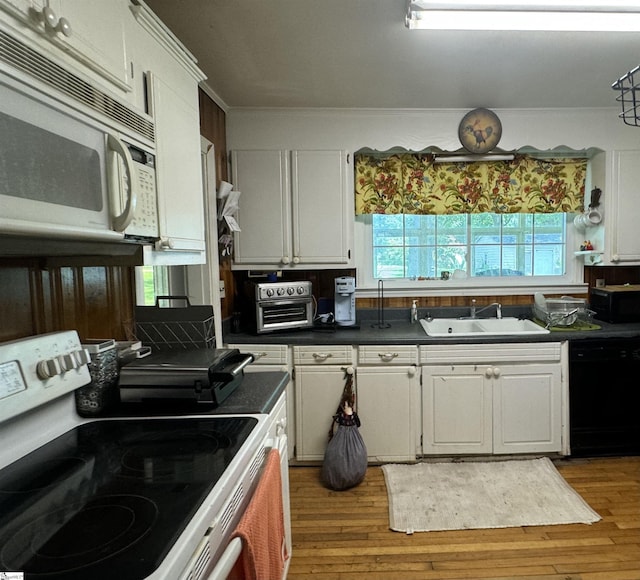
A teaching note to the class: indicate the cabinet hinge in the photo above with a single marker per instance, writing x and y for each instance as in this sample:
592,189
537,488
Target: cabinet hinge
293,374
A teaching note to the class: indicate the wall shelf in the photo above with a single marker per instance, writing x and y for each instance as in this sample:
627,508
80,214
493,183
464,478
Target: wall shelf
590,256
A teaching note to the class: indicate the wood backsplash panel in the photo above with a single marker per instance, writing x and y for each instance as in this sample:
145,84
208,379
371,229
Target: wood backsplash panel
17,316
612,275
96,301
443,301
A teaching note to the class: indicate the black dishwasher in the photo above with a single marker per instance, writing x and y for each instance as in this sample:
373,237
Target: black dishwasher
604,382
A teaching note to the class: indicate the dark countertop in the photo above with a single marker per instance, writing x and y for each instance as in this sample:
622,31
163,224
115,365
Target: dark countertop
258,393
401,331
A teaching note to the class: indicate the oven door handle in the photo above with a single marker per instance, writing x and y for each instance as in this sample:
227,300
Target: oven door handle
233,551
227,561
291,302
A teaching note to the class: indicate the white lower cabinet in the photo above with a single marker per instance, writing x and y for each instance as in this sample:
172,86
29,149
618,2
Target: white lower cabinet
492,399
320,374
388,401
456,410
527,403
388,409
437,399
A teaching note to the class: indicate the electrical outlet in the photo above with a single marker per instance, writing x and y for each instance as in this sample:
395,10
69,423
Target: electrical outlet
221,288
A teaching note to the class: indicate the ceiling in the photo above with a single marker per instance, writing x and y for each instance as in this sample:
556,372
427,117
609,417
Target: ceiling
359,54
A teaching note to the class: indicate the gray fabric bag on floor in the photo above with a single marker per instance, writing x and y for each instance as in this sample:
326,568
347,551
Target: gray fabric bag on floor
345,459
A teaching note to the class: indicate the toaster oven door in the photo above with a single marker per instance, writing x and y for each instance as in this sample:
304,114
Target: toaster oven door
283,314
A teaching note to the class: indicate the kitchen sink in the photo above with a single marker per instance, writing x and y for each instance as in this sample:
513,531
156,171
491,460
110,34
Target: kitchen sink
480,327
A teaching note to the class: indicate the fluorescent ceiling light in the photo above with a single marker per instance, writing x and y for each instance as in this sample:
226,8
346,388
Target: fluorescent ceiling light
565,15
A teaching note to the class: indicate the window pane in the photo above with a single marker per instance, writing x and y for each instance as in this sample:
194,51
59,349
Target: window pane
155,282
388,230
480,244
388,263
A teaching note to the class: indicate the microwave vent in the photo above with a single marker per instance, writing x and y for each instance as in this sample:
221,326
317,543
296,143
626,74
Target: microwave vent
25,59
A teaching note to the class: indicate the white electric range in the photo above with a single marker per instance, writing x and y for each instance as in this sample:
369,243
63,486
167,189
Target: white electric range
154,497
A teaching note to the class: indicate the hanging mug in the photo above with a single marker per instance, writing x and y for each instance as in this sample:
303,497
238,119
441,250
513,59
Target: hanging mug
593,217
590,217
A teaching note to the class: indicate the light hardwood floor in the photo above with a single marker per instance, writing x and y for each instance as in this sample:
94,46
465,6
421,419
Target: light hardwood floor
344,535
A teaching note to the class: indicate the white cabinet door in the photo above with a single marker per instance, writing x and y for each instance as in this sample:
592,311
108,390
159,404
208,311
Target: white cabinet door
321,217
318,392
92,32
179,172
264,215
456,410
98,35
621,220
527,403
492,408
387,404
294,209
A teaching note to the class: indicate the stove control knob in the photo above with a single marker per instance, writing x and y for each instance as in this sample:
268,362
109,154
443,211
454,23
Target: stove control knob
82,356
300,290
67,362
290,291
280,291
48,368
269,292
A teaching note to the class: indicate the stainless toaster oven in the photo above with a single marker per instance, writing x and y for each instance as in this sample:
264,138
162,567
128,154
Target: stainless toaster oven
282,306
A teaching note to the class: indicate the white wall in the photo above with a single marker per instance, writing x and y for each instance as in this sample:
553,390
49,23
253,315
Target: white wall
417,129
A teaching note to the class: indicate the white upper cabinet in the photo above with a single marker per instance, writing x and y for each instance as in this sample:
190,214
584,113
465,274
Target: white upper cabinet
86,32
320,207
166,86
180,196
616,174
294,209
624,212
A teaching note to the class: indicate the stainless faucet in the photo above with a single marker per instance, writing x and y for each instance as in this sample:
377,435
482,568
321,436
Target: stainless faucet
473,313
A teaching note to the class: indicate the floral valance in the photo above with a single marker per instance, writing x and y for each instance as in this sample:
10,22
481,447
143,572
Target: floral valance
413,183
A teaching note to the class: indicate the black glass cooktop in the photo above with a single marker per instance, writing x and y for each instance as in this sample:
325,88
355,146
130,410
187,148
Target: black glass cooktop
109,499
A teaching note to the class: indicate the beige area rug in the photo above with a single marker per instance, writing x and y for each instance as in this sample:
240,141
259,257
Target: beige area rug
426,497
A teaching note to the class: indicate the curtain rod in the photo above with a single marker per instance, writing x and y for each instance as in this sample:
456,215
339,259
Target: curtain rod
471,158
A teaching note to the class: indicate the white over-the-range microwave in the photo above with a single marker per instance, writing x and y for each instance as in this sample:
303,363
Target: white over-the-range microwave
70,166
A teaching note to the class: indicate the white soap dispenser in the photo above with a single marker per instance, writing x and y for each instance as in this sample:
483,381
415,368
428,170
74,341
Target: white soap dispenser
414,312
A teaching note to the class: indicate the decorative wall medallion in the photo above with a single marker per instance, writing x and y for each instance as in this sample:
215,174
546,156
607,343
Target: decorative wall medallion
480,131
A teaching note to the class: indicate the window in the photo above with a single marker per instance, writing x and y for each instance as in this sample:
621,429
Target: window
151,281
496,225
484,244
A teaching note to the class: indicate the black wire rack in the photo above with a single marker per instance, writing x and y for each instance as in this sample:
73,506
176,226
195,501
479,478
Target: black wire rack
629,88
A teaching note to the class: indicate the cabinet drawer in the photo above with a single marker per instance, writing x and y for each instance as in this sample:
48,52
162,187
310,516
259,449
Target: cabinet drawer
330,354
265,354
387,355
490,353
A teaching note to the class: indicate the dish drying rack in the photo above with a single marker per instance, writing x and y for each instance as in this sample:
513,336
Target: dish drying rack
170,328
564,311
629,88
